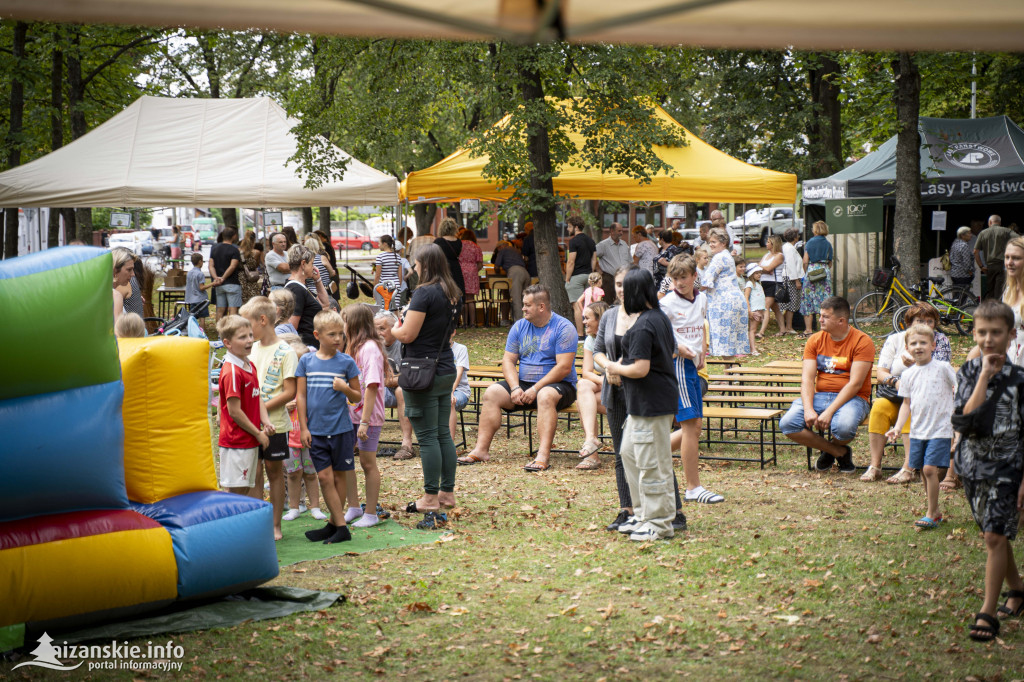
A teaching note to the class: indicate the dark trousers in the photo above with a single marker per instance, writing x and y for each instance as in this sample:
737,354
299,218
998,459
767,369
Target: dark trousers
994,281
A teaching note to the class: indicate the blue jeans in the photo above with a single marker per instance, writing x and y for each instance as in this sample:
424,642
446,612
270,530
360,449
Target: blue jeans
845,421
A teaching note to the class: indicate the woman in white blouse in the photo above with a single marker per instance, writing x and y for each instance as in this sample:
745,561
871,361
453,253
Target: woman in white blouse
794,272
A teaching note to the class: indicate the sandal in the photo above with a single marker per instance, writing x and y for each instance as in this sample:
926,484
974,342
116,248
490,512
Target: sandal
873,473
432,521
469,459
537,466
927,523
902,476
950,483
411,508
1012,613
404,453
589,448
589,464
984,633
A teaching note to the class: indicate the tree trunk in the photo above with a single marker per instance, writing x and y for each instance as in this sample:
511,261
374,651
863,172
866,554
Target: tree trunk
907,229
826,127
70,223
307,222
14,136
56,130
425,214
325,220
230,216
76,94
545,230
691,215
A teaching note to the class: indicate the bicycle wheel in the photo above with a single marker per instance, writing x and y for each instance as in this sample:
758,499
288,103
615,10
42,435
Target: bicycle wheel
873,314
899,323
959,309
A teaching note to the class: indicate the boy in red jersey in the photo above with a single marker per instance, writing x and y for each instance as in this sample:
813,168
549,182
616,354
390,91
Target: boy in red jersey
244,424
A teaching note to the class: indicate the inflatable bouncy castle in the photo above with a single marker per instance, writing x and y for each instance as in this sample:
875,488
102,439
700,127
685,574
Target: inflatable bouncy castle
108,500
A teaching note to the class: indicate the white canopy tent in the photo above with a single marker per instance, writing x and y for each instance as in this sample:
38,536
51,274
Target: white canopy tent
189,152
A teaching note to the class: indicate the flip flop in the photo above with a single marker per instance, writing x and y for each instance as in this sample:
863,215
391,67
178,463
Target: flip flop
926,523
534,467
948,484
469,459
411,508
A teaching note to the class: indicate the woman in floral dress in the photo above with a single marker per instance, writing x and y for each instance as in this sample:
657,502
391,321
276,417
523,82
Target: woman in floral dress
471,260
727,307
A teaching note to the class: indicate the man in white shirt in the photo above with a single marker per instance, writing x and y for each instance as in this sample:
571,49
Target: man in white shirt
277,261
611,254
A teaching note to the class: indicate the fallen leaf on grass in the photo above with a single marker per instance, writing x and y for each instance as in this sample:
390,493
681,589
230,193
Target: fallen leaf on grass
378,652
874,639
418,606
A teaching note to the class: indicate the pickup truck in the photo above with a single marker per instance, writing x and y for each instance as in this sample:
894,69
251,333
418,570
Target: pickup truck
761,223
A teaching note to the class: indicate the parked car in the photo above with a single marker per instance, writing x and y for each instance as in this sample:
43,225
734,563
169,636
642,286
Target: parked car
146,241
350,239
128,240
751,224
780,219
206,228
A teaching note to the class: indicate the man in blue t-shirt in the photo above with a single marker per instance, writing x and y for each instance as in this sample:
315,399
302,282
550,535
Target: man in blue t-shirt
543,345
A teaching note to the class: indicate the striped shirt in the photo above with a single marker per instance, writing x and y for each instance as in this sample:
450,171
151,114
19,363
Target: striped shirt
389,262
326,409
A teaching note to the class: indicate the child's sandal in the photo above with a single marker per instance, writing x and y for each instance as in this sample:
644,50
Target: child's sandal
1005,609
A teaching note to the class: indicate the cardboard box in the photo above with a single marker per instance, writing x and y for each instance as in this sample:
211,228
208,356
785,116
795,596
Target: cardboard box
175,278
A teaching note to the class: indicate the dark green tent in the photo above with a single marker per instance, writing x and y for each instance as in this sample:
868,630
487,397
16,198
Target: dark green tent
963,161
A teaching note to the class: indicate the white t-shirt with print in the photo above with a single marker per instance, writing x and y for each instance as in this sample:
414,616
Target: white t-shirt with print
687,319
930,388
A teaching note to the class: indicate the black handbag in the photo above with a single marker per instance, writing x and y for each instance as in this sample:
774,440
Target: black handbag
888,392
782,291
417,374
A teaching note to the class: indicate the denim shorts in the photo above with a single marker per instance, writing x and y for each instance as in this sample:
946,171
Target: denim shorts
933,452
845,421
461,400
229,296
390,399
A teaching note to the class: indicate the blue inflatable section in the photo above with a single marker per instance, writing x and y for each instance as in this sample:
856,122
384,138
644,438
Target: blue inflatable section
206,528
50,259
62,452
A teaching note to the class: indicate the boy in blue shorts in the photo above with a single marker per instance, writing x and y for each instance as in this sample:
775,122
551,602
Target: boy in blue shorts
927,390
325,380
686,309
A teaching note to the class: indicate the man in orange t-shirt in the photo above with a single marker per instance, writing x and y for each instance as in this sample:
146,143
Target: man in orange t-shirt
835,387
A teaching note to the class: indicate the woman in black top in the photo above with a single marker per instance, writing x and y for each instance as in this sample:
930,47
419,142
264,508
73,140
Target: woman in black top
451,246
648,375
608,347
424,330
300,262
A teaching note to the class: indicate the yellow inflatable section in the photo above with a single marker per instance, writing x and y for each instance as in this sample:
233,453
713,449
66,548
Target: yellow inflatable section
167,451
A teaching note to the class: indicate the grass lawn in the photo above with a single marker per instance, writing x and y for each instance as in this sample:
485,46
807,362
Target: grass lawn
797,575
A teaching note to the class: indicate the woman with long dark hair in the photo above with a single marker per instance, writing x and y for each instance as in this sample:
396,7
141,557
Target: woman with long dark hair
425,332
647,373
615,323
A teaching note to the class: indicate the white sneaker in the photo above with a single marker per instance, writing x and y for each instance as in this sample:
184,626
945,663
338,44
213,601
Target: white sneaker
366,521
291,515
302,507
317,514
647,533
631,524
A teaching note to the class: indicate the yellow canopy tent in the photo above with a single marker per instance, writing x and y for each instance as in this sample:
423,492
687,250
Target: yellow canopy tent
700,173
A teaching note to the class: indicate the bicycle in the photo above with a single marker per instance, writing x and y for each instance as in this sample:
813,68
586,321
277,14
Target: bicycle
880,312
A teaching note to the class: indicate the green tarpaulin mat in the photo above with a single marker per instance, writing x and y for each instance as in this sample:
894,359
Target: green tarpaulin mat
295,547
258,603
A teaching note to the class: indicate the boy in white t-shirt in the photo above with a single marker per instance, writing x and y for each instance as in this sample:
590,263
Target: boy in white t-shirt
928,389
686,308
460,389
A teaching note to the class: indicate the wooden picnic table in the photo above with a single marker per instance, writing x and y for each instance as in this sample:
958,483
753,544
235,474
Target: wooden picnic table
775,371
785,363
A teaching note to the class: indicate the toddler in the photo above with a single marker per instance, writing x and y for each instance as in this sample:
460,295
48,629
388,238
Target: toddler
754,293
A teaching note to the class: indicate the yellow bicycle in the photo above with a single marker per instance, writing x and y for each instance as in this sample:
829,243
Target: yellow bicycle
881,312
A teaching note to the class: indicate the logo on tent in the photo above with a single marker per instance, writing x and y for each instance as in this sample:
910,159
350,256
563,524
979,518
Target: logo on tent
972,155
837,211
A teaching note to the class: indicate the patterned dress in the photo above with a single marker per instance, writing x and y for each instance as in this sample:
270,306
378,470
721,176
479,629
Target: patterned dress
471,260
727,307
648,253
815,293
249,289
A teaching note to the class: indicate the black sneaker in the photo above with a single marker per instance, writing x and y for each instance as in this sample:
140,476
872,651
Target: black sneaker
619,520
679,522
825,462
846,465
382,513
